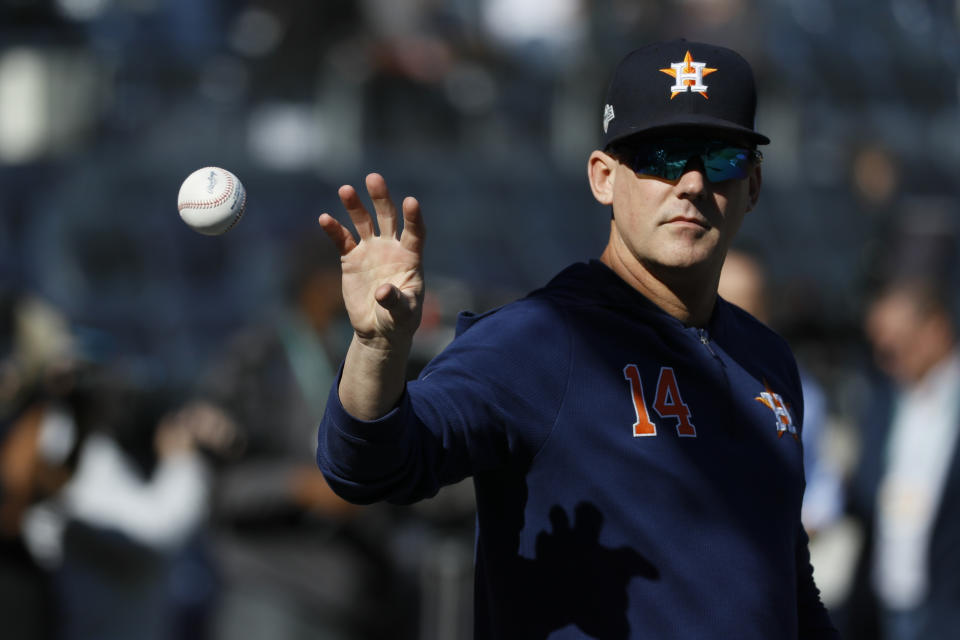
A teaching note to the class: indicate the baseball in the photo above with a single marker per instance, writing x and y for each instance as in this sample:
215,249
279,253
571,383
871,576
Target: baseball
211,200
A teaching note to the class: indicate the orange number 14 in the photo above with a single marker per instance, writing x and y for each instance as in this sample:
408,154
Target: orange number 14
667,403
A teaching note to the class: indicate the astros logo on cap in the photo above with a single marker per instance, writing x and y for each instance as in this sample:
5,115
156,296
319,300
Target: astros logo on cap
689,76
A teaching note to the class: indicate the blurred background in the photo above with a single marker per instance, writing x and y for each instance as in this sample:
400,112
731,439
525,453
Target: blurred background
173,496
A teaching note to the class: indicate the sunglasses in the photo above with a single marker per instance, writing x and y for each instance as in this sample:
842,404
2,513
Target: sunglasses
668,158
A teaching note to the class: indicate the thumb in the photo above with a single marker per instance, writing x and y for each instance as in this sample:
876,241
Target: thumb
387,296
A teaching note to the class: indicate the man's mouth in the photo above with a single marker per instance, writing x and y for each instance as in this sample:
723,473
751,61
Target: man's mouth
689,220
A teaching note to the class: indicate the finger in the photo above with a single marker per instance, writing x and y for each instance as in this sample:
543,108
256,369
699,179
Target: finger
341,236
387,296
401,306
386,211
414,231
358,213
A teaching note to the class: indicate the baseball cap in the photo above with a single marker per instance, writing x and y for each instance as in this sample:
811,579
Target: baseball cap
681,84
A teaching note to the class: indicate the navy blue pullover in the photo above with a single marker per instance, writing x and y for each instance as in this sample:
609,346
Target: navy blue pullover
634,477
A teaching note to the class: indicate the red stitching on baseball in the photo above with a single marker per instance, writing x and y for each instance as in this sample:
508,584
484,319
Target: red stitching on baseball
242,208
208,204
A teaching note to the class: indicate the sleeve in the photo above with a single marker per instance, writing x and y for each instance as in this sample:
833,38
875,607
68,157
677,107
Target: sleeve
160,512
489,400
813,619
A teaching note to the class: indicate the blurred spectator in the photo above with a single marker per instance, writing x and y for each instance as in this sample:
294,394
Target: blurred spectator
905,487
25,594
93,517
37,451
410,53
297,561
906,490
537,34
120,530
743,282
533,45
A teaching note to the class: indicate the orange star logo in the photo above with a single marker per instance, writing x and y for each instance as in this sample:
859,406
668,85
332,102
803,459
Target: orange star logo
689,76
781,411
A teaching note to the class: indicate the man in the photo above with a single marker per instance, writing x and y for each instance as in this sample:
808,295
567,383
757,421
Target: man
633,439
38,447
906,488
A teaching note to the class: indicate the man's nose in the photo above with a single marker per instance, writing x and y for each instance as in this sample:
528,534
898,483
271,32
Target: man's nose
693,180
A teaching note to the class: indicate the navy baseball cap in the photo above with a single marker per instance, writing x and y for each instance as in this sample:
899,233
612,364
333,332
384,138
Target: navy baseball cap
681,84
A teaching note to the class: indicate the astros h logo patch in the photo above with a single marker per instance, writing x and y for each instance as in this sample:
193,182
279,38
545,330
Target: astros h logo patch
688,76
781,411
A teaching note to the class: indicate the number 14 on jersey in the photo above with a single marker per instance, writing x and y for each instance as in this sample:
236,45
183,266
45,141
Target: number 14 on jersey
667,403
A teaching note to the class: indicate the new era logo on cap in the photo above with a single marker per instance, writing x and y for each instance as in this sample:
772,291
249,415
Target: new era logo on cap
664,86
608,116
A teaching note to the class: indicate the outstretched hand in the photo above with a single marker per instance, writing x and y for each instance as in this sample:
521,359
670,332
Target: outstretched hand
382,273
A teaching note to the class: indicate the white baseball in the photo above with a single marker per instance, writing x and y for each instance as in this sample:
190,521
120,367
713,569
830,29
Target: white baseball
211,200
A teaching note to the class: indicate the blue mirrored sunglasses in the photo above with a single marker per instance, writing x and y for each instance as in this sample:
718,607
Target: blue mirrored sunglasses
668,158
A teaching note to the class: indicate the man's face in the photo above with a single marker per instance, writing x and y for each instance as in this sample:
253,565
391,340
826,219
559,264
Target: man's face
906,341
681,223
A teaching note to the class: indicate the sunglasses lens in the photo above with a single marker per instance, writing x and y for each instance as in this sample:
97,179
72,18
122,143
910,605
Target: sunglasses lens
668,159
726,163
660,161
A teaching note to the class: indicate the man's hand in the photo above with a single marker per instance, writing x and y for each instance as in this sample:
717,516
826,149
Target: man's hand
383,294
382,274
198,424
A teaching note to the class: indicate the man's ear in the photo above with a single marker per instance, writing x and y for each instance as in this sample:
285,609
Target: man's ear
756,181
601,171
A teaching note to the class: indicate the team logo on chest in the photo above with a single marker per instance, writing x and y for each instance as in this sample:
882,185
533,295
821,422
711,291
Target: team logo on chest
688,76
781,411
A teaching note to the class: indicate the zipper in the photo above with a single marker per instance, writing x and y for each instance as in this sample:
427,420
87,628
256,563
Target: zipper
733,429
705,341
